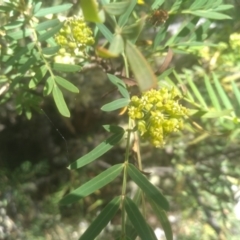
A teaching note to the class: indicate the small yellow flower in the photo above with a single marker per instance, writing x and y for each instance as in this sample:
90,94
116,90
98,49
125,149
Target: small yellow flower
74,35
158,114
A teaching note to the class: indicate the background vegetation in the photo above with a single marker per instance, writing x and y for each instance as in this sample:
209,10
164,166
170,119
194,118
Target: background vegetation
197,170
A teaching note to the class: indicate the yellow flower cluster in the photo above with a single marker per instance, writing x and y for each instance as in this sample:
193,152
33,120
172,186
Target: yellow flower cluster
75,35
157,113
235,41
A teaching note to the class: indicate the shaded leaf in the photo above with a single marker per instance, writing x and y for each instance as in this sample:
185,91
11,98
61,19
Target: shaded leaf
162,217
119,83
150,190
102,220
124,17
62,67
137,220
40,72
105,31
113,128
93,185
97,151
50,33
60,102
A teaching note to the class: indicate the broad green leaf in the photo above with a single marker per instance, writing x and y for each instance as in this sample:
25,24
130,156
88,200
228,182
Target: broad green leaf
93,185
225,99
40,72
50,33
66,84
114,105
105,31
150,190
141,69
116,8
211,93
116,45
208,14
124,17
217,114
138,221
16,35
236,92
37,7
223,7
47,24
50,50
97,151
90,10
62,67
12,25
132,32
48,86
102,220
120,85
156,4
52,10
162,217
195,90
60,102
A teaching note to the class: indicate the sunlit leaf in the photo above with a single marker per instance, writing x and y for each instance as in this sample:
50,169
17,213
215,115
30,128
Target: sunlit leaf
93,185
97,151
40,72
114,105
66,84
47,24
102,220
150,190
12,25
116,8
141,69
217,114
50,50
52,10
60,102
138,221
90,10
236,92
162,217
16,35
37,7
208,14
48,86
116,45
